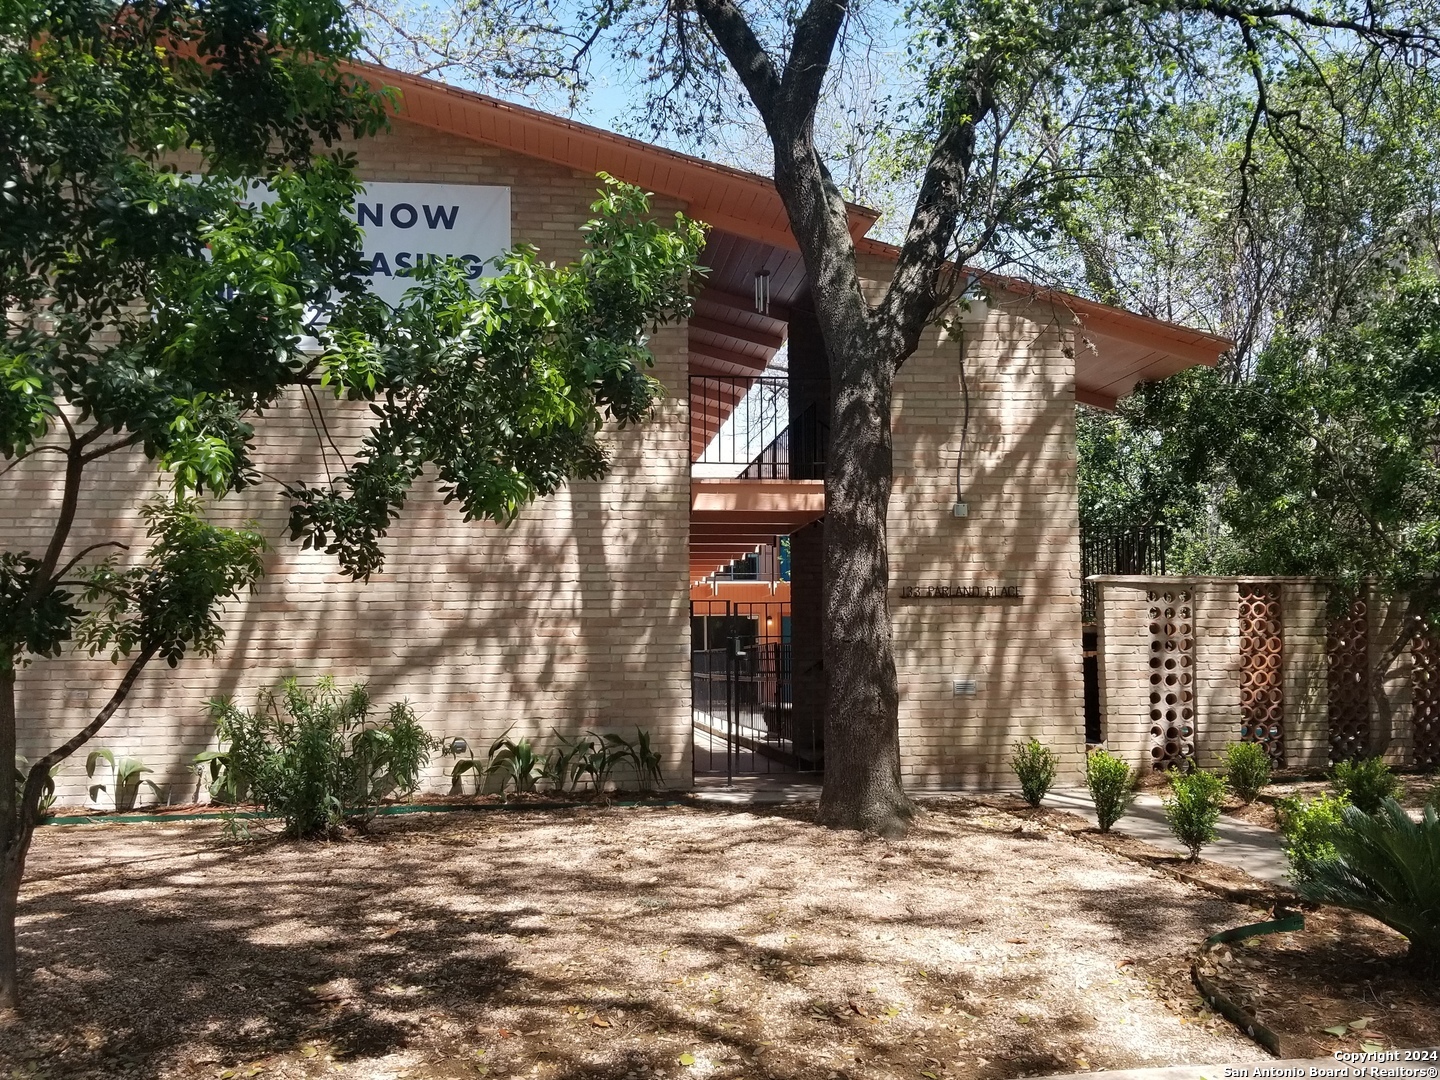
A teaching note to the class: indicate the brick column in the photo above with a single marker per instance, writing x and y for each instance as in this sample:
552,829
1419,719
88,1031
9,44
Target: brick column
1217,669
1307,693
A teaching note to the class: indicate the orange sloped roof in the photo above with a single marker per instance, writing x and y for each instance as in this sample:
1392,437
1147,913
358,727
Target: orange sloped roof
729,199
1121,347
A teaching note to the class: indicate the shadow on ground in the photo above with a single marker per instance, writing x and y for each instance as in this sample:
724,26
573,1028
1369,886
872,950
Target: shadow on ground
605,943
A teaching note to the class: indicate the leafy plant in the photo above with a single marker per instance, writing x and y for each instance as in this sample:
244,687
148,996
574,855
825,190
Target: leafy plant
596,759
516,762
1193,809
1387,866
314,756
558,767
125,773
647,762
465,762
1035,765
47,797
1307,831
1365,783
1112,786
1247,769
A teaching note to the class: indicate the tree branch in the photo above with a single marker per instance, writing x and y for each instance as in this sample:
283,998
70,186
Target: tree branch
69,502
110,448
746,55
40,771
910,300
814,44
47,448
60,574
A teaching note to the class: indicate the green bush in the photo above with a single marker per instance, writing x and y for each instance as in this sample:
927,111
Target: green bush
1112,786
1193,808
1247,769
1034,764
1387,866
1307,831
1364,783
313,756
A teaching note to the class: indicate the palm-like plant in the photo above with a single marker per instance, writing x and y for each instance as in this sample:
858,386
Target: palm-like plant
1387,866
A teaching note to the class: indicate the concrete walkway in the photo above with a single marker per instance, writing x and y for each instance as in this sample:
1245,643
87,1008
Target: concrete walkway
1251,848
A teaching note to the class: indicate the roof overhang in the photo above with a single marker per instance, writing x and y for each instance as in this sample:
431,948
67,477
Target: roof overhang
1117,349
732,200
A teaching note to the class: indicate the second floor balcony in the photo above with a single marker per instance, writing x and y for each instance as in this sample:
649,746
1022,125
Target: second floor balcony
763,427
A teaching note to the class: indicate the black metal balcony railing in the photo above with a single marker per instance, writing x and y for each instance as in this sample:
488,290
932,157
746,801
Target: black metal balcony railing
1136,550
757,428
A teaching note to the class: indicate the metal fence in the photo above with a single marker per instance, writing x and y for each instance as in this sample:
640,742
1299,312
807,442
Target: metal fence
741,703
1119,551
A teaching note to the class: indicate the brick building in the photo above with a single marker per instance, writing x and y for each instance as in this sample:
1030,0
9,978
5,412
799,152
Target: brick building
579,615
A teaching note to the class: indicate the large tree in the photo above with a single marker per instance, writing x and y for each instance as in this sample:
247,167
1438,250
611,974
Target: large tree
1312,448
1010,107
156,307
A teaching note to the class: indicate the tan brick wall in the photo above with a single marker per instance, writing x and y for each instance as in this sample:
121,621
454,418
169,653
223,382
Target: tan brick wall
1020,484
1307,690
1122,647
1217,669
577,616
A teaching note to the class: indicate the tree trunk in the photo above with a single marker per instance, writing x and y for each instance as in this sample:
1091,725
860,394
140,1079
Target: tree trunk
862,715
13,844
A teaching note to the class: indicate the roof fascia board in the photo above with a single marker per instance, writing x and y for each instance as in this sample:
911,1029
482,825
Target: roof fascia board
704,185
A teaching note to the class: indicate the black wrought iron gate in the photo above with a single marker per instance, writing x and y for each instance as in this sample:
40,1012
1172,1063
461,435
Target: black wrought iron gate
742,706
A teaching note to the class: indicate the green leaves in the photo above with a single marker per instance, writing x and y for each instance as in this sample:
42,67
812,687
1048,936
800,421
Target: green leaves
313,754
172,603
502,387
1387,866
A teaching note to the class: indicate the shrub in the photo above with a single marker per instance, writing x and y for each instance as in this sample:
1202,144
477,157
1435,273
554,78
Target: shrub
1307,831
1034,764
1247,769
313,756
1387,866
1112,786
1193,808
516,763
1365,783
125,774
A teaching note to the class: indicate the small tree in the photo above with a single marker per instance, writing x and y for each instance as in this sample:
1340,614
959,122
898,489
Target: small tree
155,312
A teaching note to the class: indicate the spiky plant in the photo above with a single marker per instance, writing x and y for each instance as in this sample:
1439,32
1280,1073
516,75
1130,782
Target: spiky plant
1387,866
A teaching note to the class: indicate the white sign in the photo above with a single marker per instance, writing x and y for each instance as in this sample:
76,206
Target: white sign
410,225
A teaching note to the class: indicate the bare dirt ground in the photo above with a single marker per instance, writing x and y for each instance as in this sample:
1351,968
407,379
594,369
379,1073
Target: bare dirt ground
609,943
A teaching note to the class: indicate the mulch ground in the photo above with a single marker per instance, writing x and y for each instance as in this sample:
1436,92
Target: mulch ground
615,943
1340,984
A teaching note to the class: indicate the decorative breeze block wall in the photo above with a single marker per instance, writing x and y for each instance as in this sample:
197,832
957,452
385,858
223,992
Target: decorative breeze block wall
1268,664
